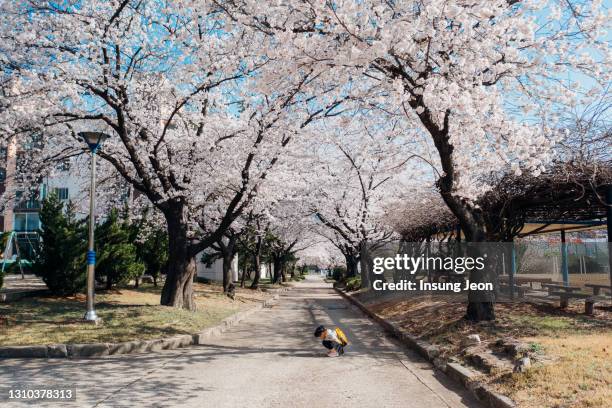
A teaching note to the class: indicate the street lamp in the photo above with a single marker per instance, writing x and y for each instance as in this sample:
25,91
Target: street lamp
94,140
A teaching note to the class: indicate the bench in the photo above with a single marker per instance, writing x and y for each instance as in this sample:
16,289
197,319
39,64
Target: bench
520,290
521,280
554,287
589,300
597,288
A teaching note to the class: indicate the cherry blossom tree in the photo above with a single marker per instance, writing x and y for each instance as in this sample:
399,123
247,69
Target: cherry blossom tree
196,119
292,233
359,170
204,99
252,242
483,79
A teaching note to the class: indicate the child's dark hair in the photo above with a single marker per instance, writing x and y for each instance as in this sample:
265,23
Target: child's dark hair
319,330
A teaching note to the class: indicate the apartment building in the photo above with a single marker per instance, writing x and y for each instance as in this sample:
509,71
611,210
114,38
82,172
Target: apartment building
20,210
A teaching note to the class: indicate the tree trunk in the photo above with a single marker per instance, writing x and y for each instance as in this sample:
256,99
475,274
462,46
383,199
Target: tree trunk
470,217
364,261
478,311
277,265
178,287
473,226
283,270
227,272
244,275
257,264
351,265
228,252
257,267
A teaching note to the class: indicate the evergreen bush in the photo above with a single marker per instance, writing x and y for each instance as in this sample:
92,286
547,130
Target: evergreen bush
60,261
152,247
117,257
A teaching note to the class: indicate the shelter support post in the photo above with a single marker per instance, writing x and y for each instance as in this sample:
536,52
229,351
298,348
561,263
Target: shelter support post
564,263
609,225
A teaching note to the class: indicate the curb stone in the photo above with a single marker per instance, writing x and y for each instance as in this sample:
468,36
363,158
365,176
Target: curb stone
135,346
461,374
87,350
23,352
57,351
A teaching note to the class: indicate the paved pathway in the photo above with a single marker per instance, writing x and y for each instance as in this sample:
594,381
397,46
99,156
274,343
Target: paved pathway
271,360
14,283
15,287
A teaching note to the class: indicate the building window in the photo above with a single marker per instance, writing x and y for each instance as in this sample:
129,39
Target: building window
22,202
64,165
26,222
61,193
20,222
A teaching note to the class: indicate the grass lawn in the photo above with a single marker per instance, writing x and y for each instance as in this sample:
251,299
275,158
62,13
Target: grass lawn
127,314
575,368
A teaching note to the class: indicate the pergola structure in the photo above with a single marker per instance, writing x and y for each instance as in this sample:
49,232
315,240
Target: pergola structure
569,197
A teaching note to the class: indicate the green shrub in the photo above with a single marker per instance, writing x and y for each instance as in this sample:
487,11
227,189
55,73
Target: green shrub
151,242
338,273
60,261
353,283
152,249
117,257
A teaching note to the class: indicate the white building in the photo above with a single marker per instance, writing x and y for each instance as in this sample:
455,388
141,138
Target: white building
214,271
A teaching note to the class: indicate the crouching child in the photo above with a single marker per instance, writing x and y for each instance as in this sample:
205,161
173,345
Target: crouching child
333,340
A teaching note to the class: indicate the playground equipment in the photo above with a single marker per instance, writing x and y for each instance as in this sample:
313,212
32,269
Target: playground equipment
13,254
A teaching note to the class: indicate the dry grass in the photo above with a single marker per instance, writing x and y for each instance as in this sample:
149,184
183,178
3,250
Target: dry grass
580,376
577,348
127,314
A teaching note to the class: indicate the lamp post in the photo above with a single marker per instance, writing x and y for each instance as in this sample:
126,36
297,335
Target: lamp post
94,140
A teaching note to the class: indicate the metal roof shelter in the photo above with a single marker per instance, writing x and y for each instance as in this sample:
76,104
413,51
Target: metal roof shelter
569,197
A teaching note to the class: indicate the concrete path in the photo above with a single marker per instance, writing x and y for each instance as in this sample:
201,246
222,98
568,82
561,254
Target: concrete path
15,287
271,360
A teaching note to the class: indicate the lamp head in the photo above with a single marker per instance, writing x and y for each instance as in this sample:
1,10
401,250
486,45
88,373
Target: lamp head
94,139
